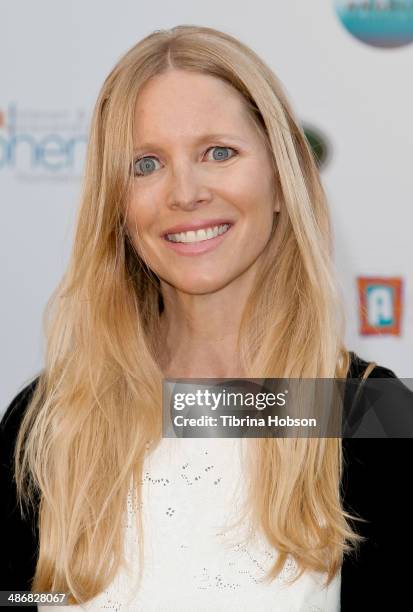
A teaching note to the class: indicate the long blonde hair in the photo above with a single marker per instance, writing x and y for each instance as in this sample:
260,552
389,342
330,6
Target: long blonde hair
96,409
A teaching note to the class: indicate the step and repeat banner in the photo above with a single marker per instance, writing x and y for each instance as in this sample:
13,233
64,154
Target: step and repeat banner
347,69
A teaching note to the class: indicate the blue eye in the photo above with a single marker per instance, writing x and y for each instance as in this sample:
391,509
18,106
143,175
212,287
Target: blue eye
220,157
143,164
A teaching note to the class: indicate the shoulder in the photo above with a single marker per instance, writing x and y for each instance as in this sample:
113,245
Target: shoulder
379,406
11,421
9,429
19,403
374,488
14,413
358,366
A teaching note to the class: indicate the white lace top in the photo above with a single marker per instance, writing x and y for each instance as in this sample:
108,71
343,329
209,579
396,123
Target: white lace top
191,488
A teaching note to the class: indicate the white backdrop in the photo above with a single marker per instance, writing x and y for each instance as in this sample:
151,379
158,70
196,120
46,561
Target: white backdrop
54,57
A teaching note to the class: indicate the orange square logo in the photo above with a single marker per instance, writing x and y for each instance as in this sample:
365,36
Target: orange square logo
380,305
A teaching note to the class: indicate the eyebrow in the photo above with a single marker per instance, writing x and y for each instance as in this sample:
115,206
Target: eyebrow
199,140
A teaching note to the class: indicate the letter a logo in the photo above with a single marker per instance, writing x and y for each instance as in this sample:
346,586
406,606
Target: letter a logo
380,305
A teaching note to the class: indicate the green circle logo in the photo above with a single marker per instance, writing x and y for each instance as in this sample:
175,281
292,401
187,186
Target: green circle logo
318,144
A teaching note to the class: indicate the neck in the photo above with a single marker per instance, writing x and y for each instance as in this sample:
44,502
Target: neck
199,331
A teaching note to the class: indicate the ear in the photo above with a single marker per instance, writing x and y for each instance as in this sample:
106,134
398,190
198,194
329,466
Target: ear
277,196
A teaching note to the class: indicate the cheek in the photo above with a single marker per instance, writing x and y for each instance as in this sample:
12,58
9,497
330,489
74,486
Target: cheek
253,184
258,211
255,202
140,215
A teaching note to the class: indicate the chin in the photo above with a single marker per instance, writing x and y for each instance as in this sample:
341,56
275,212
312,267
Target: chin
200,286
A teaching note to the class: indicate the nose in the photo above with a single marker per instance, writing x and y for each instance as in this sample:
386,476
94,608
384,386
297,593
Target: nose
186,189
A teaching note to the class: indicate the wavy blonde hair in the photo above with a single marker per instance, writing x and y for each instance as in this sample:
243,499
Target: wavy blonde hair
97,406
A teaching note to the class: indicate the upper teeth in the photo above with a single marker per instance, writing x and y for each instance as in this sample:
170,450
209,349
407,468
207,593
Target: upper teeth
201,234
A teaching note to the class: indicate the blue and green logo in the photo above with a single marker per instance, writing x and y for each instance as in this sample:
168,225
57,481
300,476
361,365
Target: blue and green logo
380,23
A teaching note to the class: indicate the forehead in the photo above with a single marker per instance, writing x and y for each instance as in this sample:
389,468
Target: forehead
188,103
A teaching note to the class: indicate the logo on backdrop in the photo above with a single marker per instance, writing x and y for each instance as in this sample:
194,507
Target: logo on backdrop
380,23
380,305
319,145
40,144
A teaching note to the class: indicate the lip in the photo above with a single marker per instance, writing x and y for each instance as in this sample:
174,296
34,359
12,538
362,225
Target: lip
197,248
196,225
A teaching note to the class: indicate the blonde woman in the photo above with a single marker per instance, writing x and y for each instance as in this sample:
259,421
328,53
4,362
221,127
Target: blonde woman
191,131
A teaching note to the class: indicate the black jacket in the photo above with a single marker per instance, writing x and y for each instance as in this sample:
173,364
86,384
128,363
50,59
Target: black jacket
375,486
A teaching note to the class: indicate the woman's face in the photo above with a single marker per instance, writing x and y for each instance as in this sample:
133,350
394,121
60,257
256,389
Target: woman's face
199,161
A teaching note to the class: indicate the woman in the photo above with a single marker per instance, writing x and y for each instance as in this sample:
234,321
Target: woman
190,130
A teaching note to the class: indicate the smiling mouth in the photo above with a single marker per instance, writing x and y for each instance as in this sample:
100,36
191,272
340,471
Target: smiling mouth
202,235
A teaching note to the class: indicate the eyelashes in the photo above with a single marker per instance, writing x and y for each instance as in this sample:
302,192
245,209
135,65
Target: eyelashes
152,157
